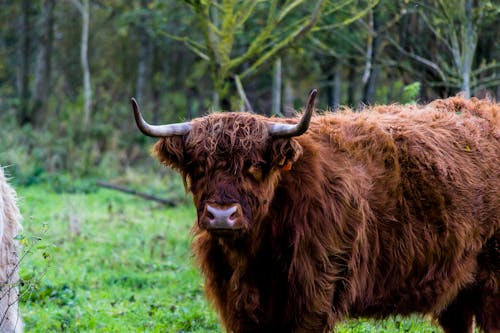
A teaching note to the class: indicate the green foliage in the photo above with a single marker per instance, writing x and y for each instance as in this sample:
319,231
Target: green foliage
393,324
126,268
240,37
109,262
69,159
410,93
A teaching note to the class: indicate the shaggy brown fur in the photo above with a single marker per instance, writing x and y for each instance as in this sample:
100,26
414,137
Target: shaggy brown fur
392,210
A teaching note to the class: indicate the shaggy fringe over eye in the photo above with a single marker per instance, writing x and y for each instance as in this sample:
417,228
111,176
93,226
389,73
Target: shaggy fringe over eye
228,134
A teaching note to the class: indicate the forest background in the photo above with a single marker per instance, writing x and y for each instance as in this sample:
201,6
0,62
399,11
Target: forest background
69,68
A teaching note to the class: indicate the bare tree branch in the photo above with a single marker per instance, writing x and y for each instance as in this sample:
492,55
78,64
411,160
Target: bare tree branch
299,33
242,94
418,58
143,195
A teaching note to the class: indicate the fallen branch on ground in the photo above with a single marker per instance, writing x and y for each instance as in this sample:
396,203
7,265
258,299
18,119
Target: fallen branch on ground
166,202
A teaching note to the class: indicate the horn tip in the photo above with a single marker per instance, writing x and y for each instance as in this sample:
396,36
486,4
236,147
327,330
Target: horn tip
311,102
313,93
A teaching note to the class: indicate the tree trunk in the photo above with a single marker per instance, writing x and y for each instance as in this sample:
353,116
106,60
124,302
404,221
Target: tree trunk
142,69
224,93
335,86
84,9
85,63
145,61
469,48
369,76
215,100
276,104
43,67
351,80
369,88
288,108
25,115
156,88
193,103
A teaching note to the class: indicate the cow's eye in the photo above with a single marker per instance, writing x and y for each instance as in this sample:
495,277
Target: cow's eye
200,169
256,172
196,170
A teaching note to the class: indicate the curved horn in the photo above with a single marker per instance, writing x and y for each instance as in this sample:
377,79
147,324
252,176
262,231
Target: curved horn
158,131
288,130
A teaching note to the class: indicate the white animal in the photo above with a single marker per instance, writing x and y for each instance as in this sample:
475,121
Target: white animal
10,217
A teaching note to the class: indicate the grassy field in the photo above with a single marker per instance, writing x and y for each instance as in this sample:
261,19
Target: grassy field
110,262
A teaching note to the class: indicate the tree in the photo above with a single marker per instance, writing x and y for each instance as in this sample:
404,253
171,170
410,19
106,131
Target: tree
233,55
146,51
342,42
43,64
372,48
25,115
456,27
277,74
84,9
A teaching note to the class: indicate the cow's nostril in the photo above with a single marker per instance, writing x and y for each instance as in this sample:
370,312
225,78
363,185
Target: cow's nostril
236,214
217,217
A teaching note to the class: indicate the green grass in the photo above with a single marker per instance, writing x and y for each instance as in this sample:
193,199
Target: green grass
109,262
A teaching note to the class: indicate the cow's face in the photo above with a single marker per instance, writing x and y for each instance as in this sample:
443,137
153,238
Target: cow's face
231,162
232,166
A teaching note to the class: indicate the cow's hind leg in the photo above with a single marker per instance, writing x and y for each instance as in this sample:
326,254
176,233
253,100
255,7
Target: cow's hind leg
458,315
488,309
488,313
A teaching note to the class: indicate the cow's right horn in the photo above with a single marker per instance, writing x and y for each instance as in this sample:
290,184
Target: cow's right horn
288,130
158,131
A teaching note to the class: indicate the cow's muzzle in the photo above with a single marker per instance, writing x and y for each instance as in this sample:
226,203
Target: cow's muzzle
226,217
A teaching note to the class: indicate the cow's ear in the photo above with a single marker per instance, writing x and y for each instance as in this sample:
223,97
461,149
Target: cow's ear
285,152
170,151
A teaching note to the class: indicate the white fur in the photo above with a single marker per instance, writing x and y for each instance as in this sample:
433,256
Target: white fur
10,217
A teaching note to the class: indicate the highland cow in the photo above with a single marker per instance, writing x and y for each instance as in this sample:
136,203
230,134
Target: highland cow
304,222
9,227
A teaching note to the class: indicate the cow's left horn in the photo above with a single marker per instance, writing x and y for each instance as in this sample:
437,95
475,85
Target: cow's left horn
288,130
158,131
